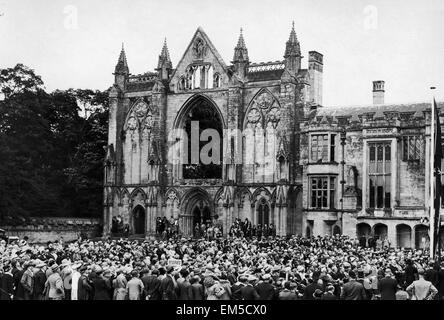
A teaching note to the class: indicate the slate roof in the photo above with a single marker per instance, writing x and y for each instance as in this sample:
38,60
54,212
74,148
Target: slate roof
376,109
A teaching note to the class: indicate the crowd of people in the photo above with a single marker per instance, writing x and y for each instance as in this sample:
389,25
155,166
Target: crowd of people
246,229
229,268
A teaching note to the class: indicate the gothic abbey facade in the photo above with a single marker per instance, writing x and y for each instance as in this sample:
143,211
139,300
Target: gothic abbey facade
283,158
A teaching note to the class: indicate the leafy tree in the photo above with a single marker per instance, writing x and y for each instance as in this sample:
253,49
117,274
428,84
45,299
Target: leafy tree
18,80
51,162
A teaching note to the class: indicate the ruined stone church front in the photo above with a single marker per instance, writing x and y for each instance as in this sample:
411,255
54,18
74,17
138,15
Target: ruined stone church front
256,107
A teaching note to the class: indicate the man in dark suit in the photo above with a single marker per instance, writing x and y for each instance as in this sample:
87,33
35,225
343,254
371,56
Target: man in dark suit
353,290
431,274
17,274
265,289
84,288
39,281
102,286
197,290
248,292
6,284
312,287
387,286
183,286
151,284
167,284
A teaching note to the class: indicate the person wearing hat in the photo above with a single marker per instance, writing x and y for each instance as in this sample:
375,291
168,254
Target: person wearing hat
119,285
27,280
151,284
54,284
312,287
168,284
248,292
101,285
84,288
75,276
7,283
39,280
17,273
183,285
265,289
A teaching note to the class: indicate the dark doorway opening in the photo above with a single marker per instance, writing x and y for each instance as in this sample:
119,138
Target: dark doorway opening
139,220
203,113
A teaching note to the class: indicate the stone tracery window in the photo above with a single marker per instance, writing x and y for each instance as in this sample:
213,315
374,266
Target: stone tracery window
198,76
412,148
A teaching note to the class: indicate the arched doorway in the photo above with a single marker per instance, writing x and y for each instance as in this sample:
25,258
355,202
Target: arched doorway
336,230
422,240
139,220
201,140
263,213
197,210
404,236
363,233
380,231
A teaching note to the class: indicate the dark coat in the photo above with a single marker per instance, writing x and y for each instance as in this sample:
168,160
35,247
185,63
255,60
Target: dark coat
387,287
39,285
152,287
310,290
84,289
441,282
102,288
266,291
432,276
353,290
183,290
249,293
236,291
167,288
19,293
197,291
6,286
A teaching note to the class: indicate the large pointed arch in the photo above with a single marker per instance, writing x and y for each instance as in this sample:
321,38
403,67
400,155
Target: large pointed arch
190,103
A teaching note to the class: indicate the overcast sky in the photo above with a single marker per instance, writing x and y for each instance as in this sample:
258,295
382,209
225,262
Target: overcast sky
76,43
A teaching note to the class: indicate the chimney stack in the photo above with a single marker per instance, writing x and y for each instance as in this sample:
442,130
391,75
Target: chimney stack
315,70
378,92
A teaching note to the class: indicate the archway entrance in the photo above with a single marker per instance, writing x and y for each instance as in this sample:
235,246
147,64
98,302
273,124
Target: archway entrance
404,236
380,231
197,210
336,230
202,146
139,220
263,213
422,239
363,232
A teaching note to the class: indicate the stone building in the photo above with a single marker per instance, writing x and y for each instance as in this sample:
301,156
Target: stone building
366,171
282,158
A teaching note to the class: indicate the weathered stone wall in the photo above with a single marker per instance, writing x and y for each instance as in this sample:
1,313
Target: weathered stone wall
42,230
